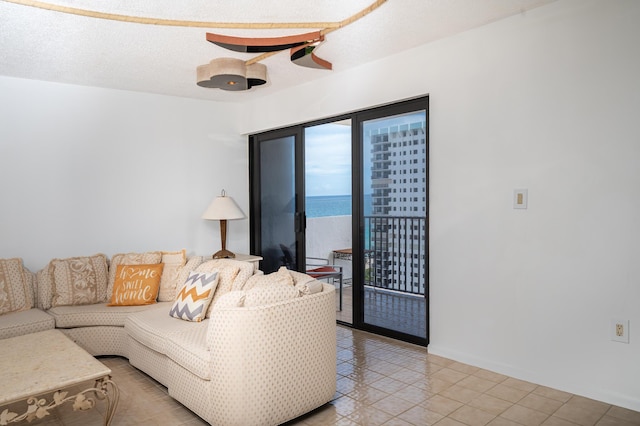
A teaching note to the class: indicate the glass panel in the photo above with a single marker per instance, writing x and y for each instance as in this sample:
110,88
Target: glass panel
328,203
277,203
395,222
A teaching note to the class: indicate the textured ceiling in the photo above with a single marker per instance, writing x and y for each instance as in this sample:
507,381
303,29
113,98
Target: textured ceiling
54,46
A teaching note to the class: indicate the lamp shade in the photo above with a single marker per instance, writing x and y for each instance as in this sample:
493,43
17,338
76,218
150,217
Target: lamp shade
223,208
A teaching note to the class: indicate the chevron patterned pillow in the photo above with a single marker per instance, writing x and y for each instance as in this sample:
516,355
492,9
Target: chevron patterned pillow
194,297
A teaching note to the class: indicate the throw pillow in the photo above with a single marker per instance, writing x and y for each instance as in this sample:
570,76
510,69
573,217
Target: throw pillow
194,297
148,258
300,278
311,287
228,271
233,299
280,277
15,295
173,261
78,280
259,296
136,285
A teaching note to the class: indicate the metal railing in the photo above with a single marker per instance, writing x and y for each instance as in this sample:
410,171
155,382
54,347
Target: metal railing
395,253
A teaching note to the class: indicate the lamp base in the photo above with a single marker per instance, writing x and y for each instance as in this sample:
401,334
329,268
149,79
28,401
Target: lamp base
223,254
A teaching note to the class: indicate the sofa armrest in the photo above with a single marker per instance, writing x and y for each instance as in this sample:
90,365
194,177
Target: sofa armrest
275,362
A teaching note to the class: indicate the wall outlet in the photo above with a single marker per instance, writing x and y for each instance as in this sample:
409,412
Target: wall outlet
620,330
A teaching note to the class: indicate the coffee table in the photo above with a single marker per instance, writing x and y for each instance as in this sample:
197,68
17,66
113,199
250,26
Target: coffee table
41,365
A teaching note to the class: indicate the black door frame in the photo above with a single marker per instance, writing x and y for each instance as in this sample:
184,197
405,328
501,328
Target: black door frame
358,232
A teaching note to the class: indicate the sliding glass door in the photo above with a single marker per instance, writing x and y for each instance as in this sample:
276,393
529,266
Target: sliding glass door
346,200
393,295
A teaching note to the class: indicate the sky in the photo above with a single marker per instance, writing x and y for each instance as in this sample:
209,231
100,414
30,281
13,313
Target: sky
328,154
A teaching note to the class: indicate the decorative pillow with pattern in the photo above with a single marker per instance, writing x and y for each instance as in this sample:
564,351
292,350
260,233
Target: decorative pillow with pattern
194,297
78,280
173,261
15,294
136,285
148,258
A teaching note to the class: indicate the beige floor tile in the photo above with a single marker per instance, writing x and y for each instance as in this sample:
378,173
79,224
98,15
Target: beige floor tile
370,415
490,404
442,405
519,384
397,421
491,376
582,411
624,414
394,405
448,421
507,393
472,416
476,383
419,415
413,394
552,393
501,421
525,416
540,403
389,385
460,393
557,421
449,375
368,395
612,421
463,368
345,405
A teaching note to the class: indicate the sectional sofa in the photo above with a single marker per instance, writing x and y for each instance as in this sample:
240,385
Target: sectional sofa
264,351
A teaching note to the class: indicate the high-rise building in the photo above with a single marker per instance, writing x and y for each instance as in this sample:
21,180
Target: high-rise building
397,228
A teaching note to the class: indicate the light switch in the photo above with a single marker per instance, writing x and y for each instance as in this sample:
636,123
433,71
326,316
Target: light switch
520,198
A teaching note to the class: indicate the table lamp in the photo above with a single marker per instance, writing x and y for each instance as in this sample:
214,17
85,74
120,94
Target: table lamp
223,208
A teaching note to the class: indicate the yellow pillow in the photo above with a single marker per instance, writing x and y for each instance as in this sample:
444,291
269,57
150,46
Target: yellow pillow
136,285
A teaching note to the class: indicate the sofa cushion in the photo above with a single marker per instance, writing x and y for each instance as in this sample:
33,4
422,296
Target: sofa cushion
136,285
153,326
25,322
189,349
99,314
78,280
173,261
16,291
147,258
194,296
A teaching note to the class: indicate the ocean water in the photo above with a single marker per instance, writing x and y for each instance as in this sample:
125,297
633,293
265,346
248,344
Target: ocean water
333,205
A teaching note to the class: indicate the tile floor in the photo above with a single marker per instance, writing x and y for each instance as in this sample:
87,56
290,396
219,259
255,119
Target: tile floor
381,382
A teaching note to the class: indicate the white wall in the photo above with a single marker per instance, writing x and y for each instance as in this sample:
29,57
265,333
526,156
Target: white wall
548,101
87,170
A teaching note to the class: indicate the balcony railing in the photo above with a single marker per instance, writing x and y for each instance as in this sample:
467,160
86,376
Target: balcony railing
395,252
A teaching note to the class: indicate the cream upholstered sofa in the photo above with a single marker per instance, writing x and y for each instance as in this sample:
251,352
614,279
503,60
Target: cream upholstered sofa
265,353
18,314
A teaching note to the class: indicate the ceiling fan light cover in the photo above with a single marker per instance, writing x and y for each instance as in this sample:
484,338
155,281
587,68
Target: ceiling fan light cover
230,74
